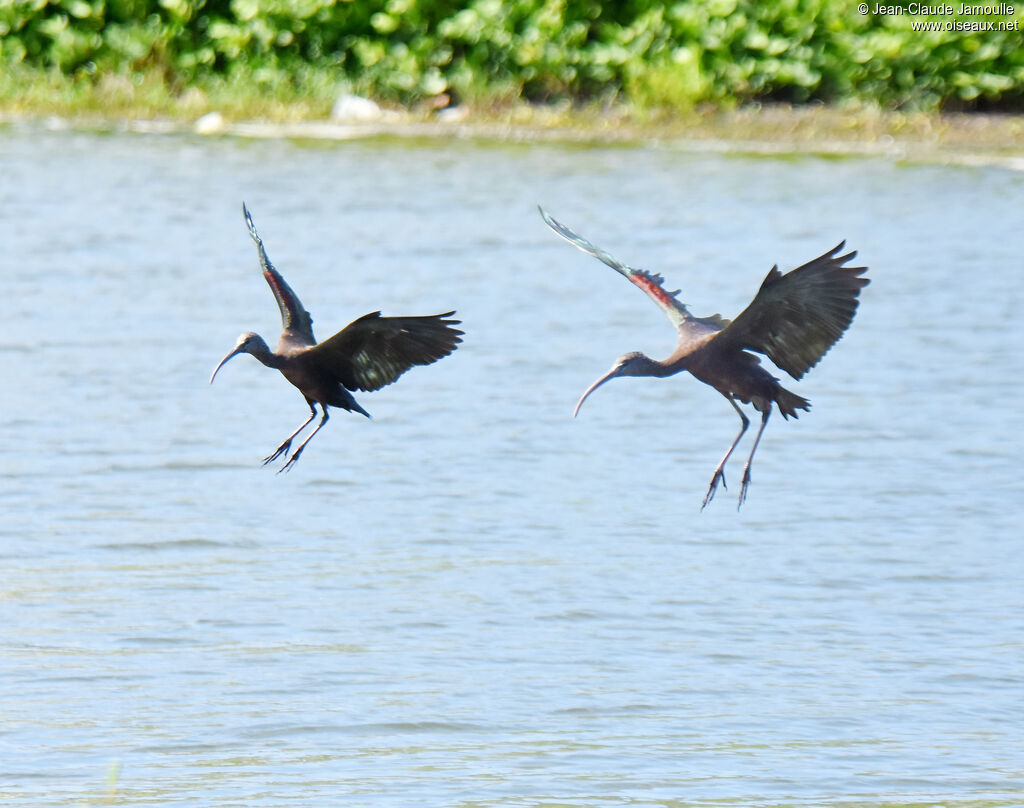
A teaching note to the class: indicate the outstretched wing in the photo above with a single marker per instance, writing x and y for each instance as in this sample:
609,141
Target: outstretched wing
795,318
373,351
651,283
294,317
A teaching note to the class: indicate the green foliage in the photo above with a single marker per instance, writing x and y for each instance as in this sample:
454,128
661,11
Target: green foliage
651,54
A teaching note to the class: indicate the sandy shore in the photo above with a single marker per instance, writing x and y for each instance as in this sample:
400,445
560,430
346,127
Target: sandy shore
961,139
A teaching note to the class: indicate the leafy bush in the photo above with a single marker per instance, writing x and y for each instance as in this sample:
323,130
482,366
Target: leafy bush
651,54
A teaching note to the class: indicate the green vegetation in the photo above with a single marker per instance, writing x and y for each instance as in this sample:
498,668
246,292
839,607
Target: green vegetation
289,58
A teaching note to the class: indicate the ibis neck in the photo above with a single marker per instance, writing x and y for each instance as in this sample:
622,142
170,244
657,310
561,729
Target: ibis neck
261,352
652,367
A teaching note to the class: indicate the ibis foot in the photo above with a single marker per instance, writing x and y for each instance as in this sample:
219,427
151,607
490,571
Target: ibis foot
280,450
719,476
744,485
291,460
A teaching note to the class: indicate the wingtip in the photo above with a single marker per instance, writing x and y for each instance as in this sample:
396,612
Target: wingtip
550,220
249,223
842,259
839,248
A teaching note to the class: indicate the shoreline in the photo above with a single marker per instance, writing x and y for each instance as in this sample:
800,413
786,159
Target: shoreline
968,139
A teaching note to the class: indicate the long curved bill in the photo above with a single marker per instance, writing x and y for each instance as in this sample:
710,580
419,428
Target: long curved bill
223,361
609,375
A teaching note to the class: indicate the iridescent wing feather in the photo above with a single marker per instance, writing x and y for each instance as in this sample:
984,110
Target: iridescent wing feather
295,320
651,283
795,318
374,351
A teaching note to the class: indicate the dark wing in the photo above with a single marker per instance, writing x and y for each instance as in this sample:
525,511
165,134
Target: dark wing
650,283
795,318
294,317
374,351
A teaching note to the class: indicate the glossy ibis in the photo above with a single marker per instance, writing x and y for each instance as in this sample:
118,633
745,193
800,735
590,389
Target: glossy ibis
367,354
794,319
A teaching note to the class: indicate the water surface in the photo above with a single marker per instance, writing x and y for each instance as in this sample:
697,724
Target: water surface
474,599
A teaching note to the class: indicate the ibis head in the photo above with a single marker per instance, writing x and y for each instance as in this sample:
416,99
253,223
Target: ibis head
249,343
631,364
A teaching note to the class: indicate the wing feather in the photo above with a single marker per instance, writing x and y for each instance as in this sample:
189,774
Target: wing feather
374,351
651,283
796,318
294,317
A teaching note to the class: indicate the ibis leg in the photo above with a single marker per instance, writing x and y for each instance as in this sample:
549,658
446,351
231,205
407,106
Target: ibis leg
283,448
297,452
719,475
746,469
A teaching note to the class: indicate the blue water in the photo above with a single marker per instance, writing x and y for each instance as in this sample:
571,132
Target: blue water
473,599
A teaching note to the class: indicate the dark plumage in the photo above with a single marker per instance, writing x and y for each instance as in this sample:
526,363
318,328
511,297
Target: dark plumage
793,320
367,354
